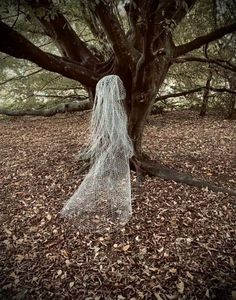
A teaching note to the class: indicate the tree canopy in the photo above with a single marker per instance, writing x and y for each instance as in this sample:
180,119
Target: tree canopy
78,30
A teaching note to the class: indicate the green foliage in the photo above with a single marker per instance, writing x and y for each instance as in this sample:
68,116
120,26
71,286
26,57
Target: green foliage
24,90
203,18
19,89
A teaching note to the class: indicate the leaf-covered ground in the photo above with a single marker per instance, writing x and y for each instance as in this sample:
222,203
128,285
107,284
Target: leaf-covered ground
179,244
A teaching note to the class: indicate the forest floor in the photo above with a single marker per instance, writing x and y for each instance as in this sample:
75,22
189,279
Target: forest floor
179,243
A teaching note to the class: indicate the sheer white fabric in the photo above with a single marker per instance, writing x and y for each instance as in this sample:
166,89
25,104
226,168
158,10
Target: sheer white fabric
103,200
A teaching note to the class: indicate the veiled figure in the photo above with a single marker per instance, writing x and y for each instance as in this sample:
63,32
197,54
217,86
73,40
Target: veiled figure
103,200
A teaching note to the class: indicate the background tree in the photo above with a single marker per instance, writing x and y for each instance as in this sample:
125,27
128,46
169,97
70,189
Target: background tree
133,39
188,77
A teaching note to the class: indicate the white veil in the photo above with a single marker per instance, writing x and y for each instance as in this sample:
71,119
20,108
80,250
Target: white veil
103,200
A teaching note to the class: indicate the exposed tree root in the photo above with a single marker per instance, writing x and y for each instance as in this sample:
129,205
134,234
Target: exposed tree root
146,166
154,168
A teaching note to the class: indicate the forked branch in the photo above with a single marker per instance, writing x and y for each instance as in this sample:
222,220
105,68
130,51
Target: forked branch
196,90
60,30
219,62
15,44
202,40
115,34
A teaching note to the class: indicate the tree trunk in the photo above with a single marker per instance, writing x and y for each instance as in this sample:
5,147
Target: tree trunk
141,58
137,122
145,86
205,96
232,109
204,105
141,163
232,103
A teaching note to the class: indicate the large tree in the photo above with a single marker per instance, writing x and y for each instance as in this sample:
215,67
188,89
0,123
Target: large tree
137,45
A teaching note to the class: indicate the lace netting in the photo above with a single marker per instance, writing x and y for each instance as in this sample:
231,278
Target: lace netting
103,200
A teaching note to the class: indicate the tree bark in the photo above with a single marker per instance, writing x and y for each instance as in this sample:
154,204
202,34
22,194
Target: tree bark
156,169
205,39
218,62
205,96
15,44
62,33
232,109
232,101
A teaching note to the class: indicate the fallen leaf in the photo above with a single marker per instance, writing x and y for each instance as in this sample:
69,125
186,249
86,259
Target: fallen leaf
126,247
68,263
33,229
19,258
173,270
207,293
157,296
180,286
8,232
233,295
189,275
172,297
231,261
49,217
13,275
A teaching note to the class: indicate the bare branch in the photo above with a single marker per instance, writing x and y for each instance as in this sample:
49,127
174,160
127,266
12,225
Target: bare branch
20,77
66,88
179,94
60,30
18,46
115,34
223,90
219,62
72,96
18,14
192,91
202,40
11,16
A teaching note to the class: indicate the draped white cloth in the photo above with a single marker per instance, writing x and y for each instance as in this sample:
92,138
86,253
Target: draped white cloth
103,200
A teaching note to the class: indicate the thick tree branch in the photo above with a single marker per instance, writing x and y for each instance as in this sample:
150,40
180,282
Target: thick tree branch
219,62
72,96
13,43
66,88
93,24
180,13
202,40
115,34
48,112
174,11
205,96
223,90
192,91
60,30
134,33
179,94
